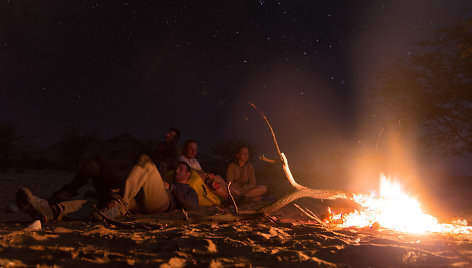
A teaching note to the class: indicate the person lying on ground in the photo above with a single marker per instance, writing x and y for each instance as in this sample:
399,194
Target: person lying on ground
208,194
211,183
144,191
166,153
108,173
242,176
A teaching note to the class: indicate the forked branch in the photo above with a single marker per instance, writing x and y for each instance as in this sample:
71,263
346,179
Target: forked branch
300,190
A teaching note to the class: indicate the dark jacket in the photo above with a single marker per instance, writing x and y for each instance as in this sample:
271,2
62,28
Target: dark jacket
182,196
166,153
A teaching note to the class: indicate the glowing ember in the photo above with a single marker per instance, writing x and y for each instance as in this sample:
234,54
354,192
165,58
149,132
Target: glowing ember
394,209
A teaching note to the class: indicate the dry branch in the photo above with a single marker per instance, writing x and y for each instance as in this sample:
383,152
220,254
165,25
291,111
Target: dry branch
304,192
232,199
185,215
265,159
300,191
270,127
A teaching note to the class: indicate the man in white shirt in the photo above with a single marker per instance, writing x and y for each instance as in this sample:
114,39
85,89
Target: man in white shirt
216,183
189,151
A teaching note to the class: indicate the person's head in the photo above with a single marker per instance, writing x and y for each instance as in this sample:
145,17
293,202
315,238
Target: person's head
190,149
173,135
242,154
182,172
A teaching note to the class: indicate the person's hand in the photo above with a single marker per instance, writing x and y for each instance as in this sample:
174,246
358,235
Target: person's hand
202,173
167,185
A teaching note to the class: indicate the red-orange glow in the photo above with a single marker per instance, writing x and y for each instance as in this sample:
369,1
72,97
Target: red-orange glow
394,209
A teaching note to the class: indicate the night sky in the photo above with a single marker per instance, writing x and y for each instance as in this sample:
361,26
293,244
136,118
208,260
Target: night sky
141,67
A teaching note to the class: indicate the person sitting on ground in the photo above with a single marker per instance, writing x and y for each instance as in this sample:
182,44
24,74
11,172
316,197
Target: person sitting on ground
205,184
242,176
144,191
166,153
189,153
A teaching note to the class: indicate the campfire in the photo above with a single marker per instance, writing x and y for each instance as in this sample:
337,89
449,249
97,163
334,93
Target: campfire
394,209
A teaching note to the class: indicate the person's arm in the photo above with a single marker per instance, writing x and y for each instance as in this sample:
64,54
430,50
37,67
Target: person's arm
184,195
230,177
230,173
196,166
201,173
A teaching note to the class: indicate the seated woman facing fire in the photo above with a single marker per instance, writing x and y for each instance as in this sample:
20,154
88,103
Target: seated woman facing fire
242,176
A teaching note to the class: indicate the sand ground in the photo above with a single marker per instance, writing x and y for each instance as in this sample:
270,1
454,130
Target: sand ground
295,241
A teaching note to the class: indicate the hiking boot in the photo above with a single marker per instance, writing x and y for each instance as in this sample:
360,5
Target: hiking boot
37,208
114,209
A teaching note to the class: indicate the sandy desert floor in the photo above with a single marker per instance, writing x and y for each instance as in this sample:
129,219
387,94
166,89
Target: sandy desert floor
294,241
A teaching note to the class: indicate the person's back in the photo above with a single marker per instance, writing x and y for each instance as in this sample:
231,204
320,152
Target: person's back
166,153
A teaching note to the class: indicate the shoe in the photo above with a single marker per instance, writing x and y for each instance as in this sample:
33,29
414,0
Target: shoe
114,209
37,208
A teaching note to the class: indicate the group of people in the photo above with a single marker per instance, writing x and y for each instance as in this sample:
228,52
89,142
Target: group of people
166,180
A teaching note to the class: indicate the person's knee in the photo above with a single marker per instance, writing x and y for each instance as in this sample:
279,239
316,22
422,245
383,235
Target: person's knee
143,160
92,168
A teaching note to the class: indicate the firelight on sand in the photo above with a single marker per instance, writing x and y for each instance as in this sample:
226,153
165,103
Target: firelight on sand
394,209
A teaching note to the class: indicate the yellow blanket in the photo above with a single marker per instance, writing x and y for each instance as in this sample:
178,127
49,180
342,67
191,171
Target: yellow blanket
206,197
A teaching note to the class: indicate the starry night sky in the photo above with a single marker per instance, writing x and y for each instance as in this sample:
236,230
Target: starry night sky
142,67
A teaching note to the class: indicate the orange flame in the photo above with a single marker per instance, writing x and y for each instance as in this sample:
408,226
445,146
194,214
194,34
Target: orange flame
394,209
